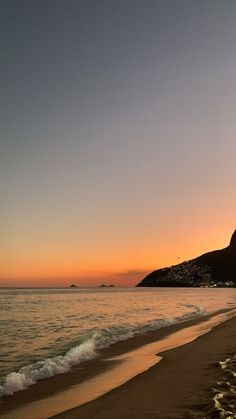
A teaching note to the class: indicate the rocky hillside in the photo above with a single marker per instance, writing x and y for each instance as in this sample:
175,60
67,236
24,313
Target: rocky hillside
217,268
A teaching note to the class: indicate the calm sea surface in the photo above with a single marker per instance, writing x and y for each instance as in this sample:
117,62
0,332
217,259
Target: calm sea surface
46,331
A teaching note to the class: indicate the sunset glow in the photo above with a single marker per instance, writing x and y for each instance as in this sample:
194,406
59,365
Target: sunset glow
118,139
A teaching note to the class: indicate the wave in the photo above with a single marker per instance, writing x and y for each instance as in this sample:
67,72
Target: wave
86,349
224,391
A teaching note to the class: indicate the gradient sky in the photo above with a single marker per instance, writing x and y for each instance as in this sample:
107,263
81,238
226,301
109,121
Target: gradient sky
117,137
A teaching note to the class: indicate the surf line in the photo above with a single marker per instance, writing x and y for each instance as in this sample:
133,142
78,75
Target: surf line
131,364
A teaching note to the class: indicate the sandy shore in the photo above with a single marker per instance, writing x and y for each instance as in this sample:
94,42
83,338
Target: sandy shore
177,387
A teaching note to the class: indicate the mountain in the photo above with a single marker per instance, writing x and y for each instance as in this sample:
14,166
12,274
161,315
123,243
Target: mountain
216,268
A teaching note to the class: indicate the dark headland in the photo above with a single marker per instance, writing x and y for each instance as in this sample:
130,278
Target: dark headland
214,269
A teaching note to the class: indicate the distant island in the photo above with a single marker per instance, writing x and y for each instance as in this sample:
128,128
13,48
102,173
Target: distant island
106,286
212,269
73,286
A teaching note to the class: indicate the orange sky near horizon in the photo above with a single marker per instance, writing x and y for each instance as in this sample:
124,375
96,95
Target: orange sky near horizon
122,267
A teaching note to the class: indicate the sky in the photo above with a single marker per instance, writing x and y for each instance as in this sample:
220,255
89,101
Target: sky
117,137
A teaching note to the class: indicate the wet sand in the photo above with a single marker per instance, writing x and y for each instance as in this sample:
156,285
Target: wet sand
177,387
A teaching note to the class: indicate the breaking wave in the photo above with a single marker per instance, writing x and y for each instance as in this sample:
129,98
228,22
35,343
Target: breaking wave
86,349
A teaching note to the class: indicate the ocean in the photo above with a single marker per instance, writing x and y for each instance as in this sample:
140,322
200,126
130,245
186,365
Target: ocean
45,332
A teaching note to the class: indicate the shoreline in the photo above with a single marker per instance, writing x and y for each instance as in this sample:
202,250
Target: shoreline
89,369
179,387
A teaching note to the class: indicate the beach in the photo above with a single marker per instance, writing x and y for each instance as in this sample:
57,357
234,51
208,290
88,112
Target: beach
179,386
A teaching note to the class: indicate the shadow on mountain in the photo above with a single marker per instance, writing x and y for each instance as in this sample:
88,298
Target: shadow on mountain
212,269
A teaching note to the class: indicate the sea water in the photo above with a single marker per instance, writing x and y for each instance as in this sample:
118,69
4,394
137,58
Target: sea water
44,332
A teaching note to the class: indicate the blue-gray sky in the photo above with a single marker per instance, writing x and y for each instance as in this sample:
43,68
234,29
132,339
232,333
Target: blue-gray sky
117,134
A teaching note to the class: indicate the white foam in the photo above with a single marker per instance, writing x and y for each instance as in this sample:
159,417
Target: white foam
30,374
15,381
97,339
